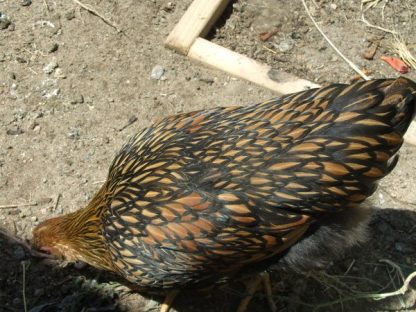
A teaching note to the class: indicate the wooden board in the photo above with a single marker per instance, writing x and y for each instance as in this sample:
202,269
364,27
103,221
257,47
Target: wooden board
246,68
196,22
186,38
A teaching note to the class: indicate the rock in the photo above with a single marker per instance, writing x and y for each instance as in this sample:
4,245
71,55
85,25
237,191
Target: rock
49,88
49,68
157,72
51,93
70,14
168,7
77,99
74,133
14,131
286,45
52,48
59,73
4,21
209,81
20,60
25,2
295,35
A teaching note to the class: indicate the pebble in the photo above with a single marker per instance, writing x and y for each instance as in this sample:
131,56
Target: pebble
74,133
157,72
20,60
333,6
295,35
25,2
14,131
285,45
15,212
34,219
77,99
49,68
52,93
169,7
59,73
209,81
52,48
19,252
36,129
69,15
4,21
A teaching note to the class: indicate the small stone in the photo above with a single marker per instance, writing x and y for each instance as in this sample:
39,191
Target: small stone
69,15
77,99
333,6
4,21
51,93
12,76
34,219
20,60
14,131
19,252
52,48
209,81
285,45
59,73
74,133
25,2
295,35
169,6
157,72
49,68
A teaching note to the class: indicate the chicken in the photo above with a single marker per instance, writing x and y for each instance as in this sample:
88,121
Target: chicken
200,197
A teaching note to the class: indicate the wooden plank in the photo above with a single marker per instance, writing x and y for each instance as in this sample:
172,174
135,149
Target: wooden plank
196,22
246,68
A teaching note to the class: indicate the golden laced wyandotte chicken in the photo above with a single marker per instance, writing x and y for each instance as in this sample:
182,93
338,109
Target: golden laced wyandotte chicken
200,198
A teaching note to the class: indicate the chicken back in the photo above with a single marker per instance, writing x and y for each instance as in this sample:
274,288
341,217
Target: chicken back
198,197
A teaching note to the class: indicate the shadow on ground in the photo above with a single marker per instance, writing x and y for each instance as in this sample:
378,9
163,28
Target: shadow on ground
350,284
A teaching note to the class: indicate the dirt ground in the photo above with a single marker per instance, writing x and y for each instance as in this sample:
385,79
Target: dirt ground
73,89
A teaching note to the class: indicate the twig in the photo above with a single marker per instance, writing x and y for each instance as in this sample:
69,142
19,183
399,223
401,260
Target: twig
24,286
401,49
18,205
96,13
131,121
350,267
351,64
58,197
363,19
402,290
46,5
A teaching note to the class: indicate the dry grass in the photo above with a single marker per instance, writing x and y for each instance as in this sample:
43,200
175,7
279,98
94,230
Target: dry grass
401,49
